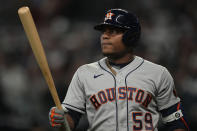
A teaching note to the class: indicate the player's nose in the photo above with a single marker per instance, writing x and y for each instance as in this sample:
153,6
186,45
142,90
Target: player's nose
105,35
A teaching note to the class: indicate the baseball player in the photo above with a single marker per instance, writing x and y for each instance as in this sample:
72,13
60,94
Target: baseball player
122,91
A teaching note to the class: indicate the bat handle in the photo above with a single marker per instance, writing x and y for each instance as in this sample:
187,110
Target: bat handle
56,99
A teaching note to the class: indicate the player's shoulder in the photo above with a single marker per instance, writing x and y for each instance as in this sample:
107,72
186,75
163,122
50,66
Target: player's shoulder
153,67
152,64
90,67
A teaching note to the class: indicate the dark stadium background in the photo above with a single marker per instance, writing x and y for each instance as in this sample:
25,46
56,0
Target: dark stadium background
169,29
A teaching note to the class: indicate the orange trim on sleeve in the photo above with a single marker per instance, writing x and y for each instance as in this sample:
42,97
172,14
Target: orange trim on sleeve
182,119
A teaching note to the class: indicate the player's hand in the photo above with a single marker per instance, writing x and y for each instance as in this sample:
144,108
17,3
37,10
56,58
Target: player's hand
56,117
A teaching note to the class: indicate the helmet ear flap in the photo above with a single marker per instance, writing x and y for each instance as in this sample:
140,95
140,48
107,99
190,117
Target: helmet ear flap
131,37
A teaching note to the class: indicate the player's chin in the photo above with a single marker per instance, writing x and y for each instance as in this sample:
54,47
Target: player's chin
107,47
107,51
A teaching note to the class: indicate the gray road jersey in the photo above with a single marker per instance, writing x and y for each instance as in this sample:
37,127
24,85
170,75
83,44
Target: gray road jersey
130,100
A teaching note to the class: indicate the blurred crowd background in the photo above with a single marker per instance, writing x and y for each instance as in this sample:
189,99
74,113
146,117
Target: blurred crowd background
169,29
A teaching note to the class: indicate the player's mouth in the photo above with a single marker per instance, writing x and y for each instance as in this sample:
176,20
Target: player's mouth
106,44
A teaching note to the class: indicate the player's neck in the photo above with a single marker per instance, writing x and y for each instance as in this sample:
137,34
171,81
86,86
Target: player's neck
125,59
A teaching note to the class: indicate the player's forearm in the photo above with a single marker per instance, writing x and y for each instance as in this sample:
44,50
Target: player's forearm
70,121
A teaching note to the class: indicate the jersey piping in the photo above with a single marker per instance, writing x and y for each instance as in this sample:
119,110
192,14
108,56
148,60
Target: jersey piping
127,91
74,108
115,94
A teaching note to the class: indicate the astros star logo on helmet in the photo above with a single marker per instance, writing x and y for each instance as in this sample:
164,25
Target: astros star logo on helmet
108,16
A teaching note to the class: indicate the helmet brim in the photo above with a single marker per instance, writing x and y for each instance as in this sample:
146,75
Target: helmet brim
102,26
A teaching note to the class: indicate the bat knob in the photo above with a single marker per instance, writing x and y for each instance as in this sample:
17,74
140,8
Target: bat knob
23,10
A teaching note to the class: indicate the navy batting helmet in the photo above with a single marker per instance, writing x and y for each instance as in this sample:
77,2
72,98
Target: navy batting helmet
125,20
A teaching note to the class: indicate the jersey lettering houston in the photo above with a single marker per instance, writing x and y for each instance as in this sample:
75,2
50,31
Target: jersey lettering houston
129,101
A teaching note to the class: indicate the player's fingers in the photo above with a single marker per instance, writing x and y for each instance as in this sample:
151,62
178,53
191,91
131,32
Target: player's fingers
56,116
56,110
56,125
51,113
58,121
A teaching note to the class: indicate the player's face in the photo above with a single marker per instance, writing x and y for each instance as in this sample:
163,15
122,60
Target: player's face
111,42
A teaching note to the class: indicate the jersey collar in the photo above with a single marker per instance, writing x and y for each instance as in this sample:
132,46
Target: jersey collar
137,61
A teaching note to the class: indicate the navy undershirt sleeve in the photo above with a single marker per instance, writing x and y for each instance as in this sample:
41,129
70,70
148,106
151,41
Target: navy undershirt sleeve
75,116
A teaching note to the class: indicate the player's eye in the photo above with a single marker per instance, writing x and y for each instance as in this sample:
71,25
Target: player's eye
107,31
113,30
119,30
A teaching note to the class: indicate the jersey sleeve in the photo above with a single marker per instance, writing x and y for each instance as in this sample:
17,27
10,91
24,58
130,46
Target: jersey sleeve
166,93
75,97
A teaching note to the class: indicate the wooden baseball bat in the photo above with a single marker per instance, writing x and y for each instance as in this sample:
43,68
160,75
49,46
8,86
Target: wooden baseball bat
36,45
